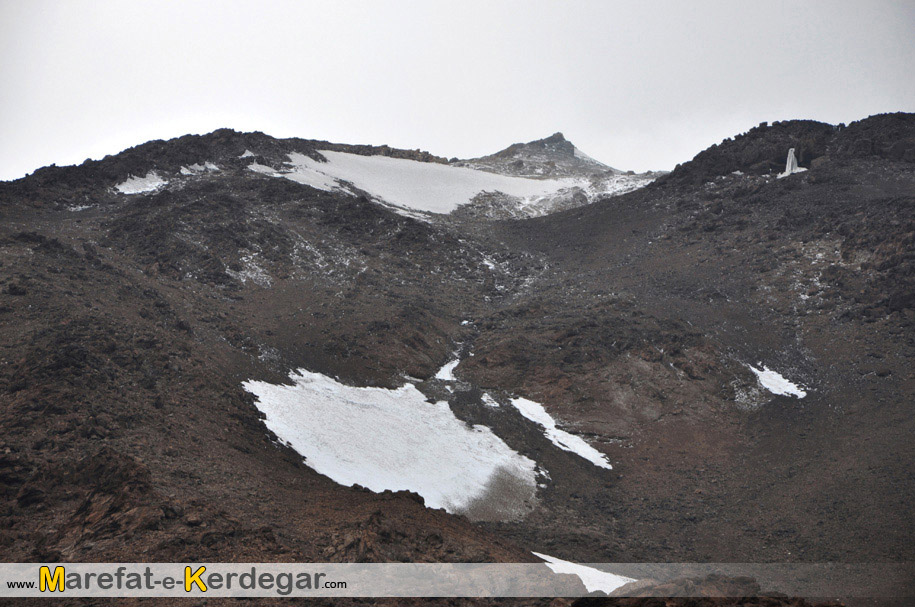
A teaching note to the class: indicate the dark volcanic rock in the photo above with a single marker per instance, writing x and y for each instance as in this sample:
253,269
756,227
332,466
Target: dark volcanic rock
553,156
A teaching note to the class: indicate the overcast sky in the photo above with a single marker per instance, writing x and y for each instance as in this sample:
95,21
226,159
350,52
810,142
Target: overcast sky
639,85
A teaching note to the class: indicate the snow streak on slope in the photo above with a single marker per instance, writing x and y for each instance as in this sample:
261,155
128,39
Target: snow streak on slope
614,185
301,174
446,373
582,156
422,186
593,579
562,439
391,439
776,383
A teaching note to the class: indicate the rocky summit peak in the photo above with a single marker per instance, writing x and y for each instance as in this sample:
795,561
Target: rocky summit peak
556,142
552,156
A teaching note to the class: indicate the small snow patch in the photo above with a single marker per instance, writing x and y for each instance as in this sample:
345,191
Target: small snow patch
776,383
562,439
247,154
139,185
616,185
593,579
489,401
794,172
197,168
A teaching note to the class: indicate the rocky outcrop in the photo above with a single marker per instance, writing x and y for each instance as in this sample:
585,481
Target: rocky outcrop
553,156
761,150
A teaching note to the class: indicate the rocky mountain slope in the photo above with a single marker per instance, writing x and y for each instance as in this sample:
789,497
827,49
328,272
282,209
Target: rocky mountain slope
659,327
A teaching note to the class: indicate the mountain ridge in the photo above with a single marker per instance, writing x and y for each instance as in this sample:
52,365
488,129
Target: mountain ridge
350,168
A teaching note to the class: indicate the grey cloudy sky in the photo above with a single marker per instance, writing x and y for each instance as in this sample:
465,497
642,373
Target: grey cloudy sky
639,85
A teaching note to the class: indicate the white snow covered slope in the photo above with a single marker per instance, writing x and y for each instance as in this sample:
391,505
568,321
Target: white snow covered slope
392,439
422,186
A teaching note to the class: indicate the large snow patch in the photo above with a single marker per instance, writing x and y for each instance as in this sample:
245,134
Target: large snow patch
395,439
422,186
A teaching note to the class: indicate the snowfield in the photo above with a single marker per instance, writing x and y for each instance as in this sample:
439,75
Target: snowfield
391,439
421,186
776,383
593,579
430,187
562,439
